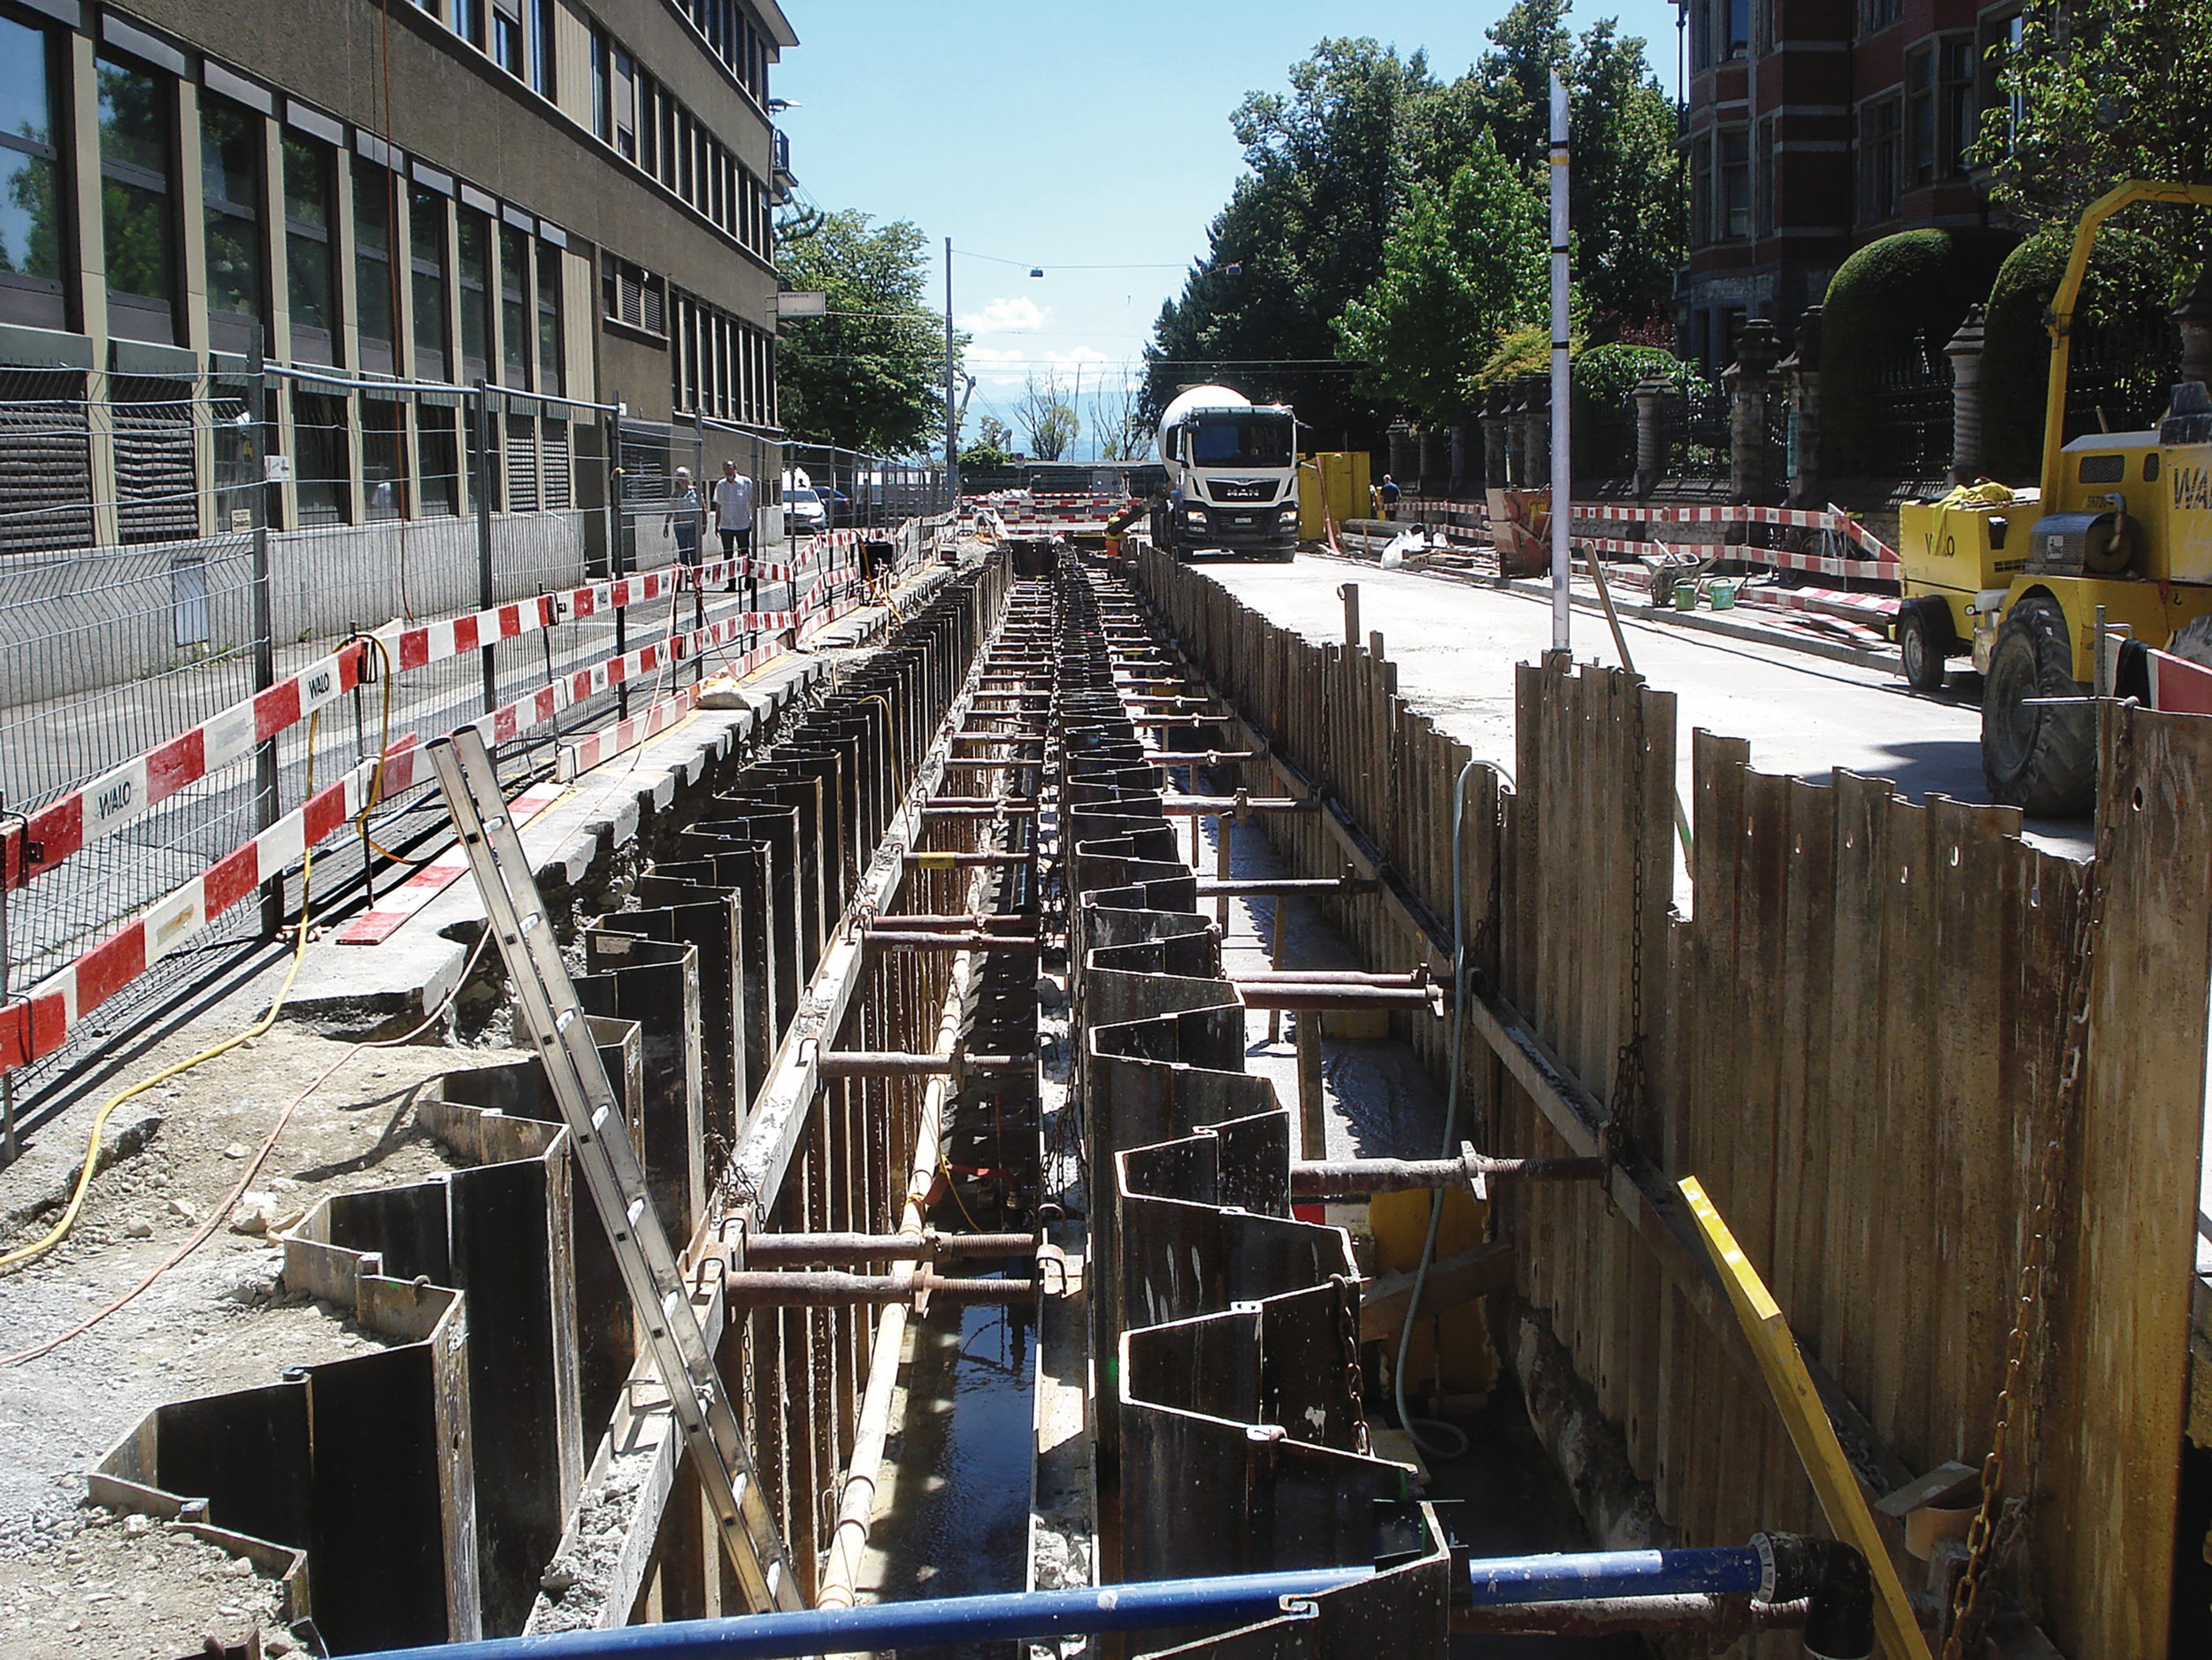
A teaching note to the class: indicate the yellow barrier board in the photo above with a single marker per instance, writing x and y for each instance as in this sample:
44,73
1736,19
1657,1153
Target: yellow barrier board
1810,1431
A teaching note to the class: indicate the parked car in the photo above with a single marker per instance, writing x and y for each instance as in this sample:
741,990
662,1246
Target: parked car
803,512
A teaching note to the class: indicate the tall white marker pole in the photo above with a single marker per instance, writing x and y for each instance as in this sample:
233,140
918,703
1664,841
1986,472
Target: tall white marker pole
1562,451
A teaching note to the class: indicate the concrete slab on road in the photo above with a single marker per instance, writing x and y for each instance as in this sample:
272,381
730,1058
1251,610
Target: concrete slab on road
1457,646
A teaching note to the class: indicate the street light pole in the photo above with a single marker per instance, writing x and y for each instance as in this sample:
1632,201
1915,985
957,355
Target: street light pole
1562,453
952,410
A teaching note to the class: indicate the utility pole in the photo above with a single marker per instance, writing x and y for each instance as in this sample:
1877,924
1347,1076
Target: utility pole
1561,455
952,409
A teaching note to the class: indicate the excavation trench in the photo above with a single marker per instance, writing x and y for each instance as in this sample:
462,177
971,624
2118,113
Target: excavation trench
975,1114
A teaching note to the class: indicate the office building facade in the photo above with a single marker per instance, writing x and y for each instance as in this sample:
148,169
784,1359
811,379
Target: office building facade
569,200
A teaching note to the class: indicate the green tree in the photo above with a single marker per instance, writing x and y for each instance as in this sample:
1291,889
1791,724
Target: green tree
1047,413
871,374
2096,92
1302,237
1464,263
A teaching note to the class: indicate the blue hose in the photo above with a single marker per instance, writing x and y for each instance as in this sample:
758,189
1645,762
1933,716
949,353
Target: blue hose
1587,1576
1230,1599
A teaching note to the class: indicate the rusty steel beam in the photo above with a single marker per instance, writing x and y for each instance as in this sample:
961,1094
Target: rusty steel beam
1003,921
1307,997
1208,806
832,1288
903,940
967,861
767,1251
893,1064
1721,1619
1282,887
1354,1178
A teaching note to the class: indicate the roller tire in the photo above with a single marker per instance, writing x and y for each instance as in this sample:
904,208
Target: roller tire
1924,641
2042,759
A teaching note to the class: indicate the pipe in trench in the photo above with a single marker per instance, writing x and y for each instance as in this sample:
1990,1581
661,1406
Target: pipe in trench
781,1250
1347,1178
1667,1582
829,1287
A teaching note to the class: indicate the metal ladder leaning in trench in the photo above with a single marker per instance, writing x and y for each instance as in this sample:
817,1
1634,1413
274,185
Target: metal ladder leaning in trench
577,1079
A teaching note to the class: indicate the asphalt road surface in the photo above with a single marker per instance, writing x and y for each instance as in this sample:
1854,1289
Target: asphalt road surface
1456,644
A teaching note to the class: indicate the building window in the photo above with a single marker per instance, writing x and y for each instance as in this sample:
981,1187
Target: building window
439,488
602,93
635,296
31,207
309,277
384,457
322,478
1739,29
1735,221
1956,104
540,24
468,21
475,240
427,262
136,153
1876,15
514,307
1920,115
1701,187
1766,183
625,101
549,352
230,182
1880,143
375,301
506,48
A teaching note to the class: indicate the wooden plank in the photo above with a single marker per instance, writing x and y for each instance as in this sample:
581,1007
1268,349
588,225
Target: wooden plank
1452,1282
1855,1034
1783,1368
2123,1323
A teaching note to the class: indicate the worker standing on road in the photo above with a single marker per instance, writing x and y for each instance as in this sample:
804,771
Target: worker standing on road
683,519
733,520
1389,494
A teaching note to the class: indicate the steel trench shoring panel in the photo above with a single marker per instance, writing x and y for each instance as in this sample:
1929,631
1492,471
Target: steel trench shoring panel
1231,1432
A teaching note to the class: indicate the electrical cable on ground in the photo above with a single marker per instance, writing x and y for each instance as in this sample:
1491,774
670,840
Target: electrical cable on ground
1439,1449
216,1216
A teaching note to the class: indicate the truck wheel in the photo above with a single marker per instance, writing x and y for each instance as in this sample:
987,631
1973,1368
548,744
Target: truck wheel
1924,641
2040,758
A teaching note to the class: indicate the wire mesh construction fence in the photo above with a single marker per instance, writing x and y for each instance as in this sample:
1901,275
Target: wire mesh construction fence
176,561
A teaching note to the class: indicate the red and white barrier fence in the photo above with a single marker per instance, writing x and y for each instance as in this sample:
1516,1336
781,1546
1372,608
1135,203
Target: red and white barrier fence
38,1023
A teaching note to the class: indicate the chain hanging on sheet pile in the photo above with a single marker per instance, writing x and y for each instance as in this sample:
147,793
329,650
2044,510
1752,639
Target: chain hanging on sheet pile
1998,1519
1629,1076
1347,1334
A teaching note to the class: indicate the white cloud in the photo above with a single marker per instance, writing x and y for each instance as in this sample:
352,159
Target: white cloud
1005,317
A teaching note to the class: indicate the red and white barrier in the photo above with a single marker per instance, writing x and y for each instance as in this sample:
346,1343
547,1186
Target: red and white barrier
123,795
35,1025
380,920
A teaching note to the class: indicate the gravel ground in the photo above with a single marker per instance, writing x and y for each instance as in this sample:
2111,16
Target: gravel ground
75,1581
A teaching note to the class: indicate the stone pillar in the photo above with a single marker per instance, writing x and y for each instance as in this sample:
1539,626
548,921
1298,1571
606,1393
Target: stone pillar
1405,455
1965,353
1435,464
1535,431
1495,438
1800,381
2193,315
1651,398
1460,480
1750,382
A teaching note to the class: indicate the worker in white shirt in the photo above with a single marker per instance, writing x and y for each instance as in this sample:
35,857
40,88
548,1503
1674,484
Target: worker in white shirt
733,517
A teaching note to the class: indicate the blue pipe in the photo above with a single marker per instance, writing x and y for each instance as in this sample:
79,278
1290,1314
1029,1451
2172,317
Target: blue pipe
1145,1605
1141,1606
1585,1576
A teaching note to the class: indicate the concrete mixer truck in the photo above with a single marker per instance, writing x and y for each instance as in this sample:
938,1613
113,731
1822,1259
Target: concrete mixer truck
1231,476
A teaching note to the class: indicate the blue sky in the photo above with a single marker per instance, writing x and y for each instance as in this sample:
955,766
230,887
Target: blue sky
1064,136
